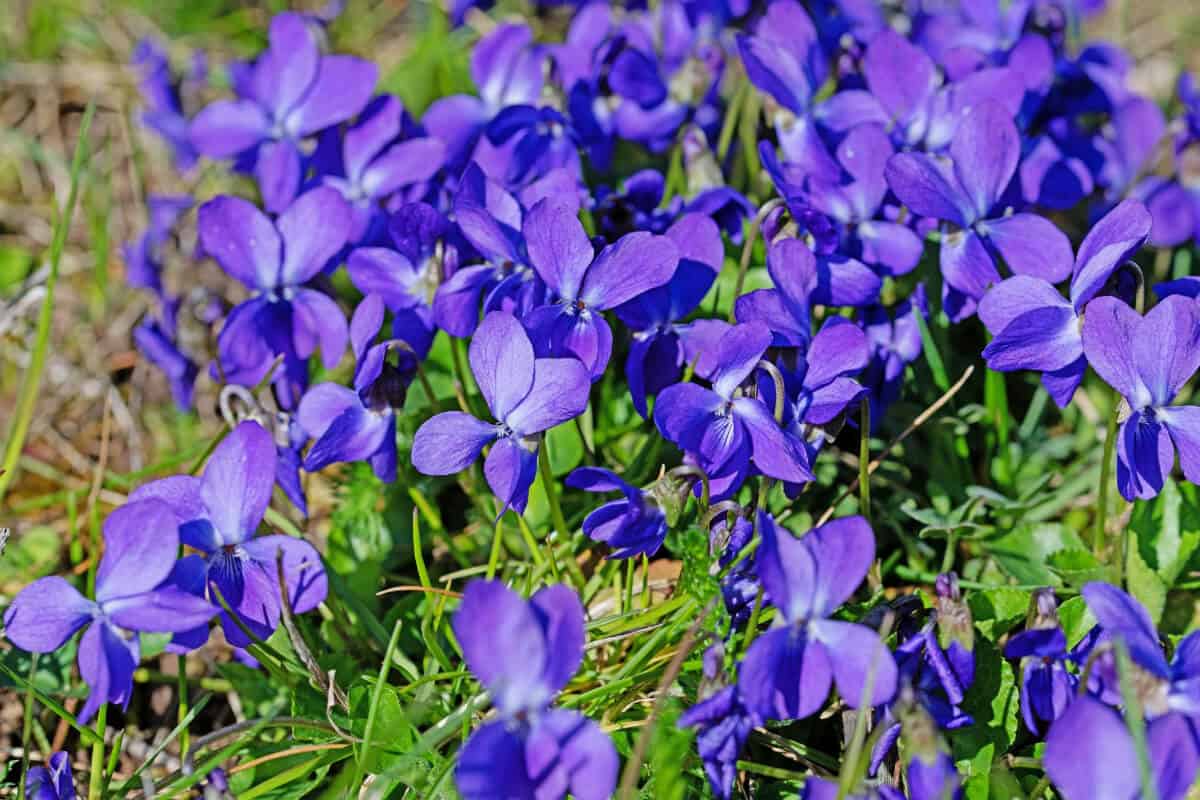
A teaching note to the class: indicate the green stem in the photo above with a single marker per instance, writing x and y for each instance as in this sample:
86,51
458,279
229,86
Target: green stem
494,554
27,726
556,514
181,666
1133,718
96,777
1110,444
376,699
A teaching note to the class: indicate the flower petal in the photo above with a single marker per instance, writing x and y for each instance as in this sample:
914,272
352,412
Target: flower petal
1032,245
241,239
450,442
558,246
1109,329
510,468
1110,243
859,659
784,675
237,482
985,150
303,571
635,263
314,229
1089,754
45,614
559,393
1166,348
141,543
501,357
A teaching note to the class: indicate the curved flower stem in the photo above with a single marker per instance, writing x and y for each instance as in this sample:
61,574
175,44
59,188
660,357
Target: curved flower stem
460,374
864,461
497,537
1110,445
780,387
27,725
748,247
691,469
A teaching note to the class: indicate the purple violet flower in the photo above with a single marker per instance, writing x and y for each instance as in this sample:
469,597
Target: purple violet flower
526,396
532,750
53,781
276,260
1036,328
164,105
132,594
632,526
292,91
1148,360
585,284
218,514
965,193
788,670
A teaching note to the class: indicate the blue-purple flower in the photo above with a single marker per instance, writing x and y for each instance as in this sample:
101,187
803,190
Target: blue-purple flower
53,781
634,525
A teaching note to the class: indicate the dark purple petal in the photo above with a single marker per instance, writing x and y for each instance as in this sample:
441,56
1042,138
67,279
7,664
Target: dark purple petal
380,123
559,393
241,239
510,468
558,246
321,405
784,675
771,68
1122,616
45,614
354,435
450,442
738,354
859,657
1040,642
501,357
776,453
843,281
237,482
492,764
483,231
966,264
684,412
1032,245
1062,383
317,321
787,570
1145,455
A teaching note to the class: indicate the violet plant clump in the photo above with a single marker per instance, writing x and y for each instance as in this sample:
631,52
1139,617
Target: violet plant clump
684,399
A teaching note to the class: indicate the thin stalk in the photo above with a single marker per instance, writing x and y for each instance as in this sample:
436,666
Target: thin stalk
494,555
851,772
27,725
748,248
376,699
1134,720
96,776
182,688
556,514
1110,444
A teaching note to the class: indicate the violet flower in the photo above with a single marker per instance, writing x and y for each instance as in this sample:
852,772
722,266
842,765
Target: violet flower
726,430
359,424
788,670
533,749
143,256
164,105
374,160
291,92
723,724
157,342
657,355
141,544
1036,328
218,514
895,342
585,284
632,526
1148,360
965,193
526,396
276,260
1047,688
1090,754
53,781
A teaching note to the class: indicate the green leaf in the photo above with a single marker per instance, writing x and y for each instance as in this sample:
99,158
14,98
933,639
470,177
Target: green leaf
1078,566
1142,581
15,264
1024,552
996,611
993,701
1076,619
565,447
1167,530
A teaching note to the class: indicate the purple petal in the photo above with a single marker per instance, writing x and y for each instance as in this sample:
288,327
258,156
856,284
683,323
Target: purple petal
966,264
636,263
505,67
180,492
228,127
287,69
303,572
321,405
843,550
1109,328
1015,296
314,229
278,172
1166,348
251,588
237,481
450,442
483,231
379,124
354,435
45,614
784,675
771,68
858,657
141,542
787,570
1032,245
241,239
890,245
1089,754
365,324
1145,455
985,149
738,354
900,74
510,468
1045,338
559,393
106,664
561,331
684,413
560,614
492,764
928,187
501,357
342,88
558,246
567,751
1174,755
839,348
165,610
832,399
1122,616
318,320
775,453
1183,423
406,163
1062,383
1108,245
